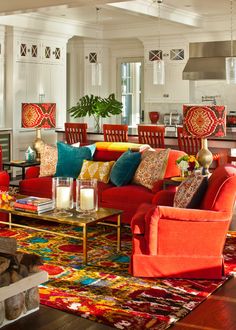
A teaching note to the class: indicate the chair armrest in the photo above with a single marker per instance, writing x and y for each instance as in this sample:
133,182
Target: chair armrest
4,180
182,214
32,172
147,217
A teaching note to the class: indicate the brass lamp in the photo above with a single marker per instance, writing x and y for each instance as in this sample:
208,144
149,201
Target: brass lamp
202,121
38,115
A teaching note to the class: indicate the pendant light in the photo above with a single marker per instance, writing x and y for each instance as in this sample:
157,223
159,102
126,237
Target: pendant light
96,67
158,64
230,62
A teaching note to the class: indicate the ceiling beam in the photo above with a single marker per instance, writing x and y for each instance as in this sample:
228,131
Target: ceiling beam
141,7
24,6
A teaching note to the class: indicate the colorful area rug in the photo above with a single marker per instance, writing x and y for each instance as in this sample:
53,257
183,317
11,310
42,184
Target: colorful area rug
103,291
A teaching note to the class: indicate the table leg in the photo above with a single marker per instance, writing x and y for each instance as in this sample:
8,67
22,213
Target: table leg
9,220
85,253
23,173
118,234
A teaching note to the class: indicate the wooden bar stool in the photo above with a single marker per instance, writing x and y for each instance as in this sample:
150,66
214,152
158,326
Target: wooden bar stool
115,133
152,135
76,132
191,145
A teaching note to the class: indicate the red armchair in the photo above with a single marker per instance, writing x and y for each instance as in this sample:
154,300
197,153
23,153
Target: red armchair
184,243
4,184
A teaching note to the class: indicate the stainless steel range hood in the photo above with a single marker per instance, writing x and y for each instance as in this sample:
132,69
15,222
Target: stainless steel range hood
206,60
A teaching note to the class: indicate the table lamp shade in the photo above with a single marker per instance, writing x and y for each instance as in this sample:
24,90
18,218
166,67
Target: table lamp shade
38,115
203,121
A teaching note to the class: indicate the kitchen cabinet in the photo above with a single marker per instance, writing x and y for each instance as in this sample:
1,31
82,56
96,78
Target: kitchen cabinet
175,89
28,50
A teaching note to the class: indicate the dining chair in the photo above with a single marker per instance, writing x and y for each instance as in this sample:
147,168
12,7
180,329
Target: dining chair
76,132
191,145
152,135
115,132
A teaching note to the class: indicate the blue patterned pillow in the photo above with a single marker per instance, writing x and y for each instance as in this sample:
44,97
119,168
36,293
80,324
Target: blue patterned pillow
70,159
123,170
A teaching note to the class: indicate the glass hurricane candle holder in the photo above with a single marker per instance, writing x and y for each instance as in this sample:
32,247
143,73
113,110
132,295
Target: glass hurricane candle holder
62,192
86,196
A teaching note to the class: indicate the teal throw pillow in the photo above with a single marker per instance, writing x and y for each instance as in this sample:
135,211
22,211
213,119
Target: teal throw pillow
125,167
92,148
70,159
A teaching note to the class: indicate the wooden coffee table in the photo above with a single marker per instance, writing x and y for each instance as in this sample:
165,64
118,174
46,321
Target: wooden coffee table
99,217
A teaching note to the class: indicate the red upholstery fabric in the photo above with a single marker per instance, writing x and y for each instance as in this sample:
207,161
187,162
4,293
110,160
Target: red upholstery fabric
32,172
184,243
126,198
219,194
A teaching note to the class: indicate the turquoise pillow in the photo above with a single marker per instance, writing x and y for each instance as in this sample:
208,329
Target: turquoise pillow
125,167
70,159
92,148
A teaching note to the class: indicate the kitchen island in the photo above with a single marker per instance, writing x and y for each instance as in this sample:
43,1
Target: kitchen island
222,145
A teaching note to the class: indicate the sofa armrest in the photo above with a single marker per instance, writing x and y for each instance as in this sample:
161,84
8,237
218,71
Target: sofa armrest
4,180
164,197
32,172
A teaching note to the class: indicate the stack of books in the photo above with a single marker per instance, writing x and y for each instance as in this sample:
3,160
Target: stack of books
34,204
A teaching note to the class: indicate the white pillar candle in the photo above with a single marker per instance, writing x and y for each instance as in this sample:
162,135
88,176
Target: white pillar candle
87,199
63,197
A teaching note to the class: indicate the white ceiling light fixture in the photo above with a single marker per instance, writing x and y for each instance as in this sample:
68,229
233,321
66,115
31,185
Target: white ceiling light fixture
96,67
230,62
158,63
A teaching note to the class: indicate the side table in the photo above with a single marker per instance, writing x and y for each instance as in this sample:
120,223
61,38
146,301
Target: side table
174,181
21,164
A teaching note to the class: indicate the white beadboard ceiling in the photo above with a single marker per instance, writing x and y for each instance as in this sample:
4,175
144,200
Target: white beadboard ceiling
190,14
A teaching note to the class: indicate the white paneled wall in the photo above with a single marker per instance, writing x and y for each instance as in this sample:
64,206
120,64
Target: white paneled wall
35,65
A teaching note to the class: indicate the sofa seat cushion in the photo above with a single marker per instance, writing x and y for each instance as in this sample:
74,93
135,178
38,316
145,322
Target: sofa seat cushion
126,198
39,187
130,194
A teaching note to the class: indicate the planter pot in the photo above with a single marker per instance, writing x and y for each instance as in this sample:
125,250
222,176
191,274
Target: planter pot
154,116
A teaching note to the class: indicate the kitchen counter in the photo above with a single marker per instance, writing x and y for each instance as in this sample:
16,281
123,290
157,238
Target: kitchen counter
171,133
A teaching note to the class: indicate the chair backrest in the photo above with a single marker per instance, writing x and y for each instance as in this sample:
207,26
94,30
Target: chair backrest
187,143
115,133
221,191
76,132
152,135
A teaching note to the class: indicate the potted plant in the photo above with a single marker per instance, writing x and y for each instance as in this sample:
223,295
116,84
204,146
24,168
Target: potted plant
96,106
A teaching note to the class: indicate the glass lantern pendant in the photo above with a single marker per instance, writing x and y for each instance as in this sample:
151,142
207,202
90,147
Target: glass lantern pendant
158,72
230,66
96,74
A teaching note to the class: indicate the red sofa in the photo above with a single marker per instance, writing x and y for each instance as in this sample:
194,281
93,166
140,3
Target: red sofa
126,198
181,242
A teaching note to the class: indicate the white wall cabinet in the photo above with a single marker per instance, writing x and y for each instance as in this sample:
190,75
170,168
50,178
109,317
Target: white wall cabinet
33,50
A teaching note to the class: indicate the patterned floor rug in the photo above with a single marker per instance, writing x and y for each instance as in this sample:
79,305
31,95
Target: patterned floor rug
104,291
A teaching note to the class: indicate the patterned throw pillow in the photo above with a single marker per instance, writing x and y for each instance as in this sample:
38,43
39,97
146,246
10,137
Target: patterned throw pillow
152,167
48,160
96,170
190,192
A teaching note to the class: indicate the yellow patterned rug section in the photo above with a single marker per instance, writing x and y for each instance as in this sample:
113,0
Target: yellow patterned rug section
118,146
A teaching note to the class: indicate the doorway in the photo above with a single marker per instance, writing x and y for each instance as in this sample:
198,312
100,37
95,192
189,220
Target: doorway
130,90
